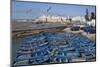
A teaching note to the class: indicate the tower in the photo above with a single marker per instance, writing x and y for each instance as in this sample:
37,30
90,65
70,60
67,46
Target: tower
87,15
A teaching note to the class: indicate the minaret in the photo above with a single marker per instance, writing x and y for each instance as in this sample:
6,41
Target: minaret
87,15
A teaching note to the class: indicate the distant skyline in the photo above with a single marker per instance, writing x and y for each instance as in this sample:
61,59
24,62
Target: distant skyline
32,10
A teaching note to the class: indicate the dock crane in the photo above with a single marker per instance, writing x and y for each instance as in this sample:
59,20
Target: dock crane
48,9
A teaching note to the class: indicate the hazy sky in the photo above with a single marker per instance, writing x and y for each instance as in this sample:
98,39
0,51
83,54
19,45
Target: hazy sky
31,10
